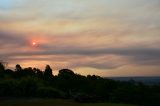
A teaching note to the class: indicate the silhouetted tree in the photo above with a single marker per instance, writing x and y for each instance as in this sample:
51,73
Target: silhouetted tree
66,74
9,72
18,68
38,73
28,71
48,73
93,77
2,67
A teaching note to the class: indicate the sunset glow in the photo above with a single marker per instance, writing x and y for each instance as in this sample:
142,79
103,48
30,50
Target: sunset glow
104,37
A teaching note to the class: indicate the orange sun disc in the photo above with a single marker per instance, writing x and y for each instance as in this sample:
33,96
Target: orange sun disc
33,43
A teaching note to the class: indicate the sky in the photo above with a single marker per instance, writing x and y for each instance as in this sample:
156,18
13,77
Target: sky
102,37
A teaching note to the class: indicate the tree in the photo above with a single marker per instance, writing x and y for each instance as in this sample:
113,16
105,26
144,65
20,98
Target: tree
18,67
38,73
66,73
2,67
48,72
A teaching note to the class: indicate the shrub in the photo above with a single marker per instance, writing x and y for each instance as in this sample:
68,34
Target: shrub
49,92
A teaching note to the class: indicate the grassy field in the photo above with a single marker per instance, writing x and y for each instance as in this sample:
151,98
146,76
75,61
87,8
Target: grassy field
52,102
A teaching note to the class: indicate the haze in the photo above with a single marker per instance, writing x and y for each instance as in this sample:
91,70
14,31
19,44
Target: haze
103,37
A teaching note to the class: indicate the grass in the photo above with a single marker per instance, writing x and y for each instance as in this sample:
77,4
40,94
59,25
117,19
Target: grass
52,102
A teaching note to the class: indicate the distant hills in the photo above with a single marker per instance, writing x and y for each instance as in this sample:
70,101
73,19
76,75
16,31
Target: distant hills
145,80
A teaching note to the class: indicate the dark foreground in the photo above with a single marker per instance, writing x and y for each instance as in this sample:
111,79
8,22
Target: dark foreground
52,102
35,83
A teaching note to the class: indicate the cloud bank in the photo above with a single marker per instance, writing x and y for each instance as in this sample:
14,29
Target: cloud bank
105,37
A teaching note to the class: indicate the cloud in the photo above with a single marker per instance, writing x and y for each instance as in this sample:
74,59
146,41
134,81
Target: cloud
95,49
12,39
98,58
102,35
75,51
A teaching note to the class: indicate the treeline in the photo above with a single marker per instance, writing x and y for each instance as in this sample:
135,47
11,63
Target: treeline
33,82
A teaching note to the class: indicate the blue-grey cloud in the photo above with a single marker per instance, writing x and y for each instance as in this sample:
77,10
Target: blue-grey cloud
12,39
141,56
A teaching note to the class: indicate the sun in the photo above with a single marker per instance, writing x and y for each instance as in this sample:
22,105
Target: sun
34,43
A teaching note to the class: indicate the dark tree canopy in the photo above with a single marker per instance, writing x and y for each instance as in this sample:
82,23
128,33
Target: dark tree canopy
48,72
18,67
65,72
2,67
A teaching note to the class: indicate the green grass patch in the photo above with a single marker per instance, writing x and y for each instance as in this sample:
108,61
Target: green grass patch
52,102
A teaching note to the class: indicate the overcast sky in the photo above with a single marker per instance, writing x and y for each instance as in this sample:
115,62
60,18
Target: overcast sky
104,37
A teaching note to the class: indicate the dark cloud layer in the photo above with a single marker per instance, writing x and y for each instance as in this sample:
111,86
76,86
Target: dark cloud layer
12,39
135,56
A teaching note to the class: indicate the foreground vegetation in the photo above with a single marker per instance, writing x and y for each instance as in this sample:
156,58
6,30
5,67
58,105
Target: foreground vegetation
34,83
53,102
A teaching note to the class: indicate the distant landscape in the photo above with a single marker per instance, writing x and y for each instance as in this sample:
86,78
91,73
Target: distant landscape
145,80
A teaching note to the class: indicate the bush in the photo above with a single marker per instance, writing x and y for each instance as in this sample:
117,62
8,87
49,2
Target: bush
27,87
49,92
7,88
